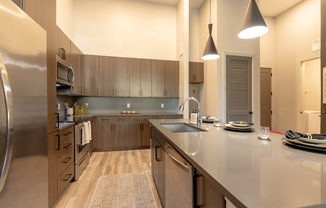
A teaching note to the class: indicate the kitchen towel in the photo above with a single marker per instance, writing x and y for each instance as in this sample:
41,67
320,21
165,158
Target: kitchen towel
86,133
294,135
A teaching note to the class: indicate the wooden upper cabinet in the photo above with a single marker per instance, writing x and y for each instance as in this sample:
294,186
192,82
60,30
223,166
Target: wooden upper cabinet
74,59
158,78
62,42
121,78
165,78
106,76
196,72
91,74
172,78
140,77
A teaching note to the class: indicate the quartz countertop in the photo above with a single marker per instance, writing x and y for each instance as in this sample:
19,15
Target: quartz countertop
251,172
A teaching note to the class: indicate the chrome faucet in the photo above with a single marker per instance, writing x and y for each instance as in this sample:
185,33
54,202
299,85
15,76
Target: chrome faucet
181,108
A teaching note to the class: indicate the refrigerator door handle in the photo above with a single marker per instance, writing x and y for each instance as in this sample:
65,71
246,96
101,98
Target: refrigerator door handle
6,158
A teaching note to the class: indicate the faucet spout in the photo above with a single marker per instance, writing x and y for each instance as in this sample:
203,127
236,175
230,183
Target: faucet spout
181,108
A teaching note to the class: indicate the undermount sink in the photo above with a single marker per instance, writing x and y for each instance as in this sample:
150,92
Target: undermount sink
182,127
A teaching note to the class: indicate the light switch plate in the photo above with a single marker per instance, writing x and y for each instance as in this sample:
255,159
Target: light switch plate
128,105
162,105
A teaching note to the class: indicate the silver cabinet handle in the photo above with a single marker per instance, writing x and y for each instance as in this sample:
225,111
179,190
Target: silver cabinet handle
175,159
5,158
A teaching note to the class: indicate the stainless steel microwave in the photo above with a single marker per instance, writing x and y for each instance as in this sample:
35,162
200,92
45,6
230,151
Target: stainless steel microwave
65,73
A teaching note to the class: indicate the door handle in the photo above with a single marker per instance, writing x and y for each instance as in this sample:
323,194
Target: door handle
10,123
58,143
67,160
250,112
156,158
66,178
68,133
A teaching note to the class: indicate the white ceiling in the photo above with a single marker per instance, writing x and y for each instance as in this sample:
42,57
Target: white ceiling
270,8
273,8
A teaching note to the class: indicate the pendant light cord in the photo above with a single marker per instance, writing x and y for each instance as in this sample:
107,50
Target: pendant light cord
210,8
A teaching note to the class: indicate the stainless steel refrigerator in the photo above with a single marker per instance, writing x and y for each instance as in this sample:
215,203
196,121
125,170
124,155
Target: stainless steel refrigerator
23,110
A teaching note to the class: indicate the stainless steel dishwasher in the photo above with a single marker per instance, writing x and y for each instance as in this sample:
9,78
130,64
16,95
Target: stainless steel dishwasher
178,180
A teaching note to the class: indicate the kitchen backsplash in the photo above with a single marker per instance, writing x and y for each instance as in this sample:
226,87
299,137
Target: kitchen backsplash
140,105
61,99
116,105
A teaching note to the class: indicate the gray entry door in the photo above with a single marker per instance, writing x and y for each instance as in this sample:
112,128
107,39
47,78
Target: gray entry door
238,88
265,97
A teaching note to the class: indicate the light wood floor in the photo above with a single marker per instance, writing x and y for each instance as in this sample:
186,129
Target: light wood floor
80,192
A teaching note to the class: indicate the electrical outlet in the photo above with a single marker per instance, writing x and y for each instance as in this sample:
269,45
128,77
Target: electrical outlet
162,105
128,105
58,106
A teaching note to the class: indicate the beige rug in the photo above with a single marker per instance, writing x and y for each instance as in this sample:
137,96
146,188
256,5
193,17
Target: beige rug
123,191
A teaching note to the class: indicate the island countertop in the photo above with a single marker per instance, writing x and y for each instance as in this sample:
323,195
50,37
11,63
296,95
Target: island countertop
251,172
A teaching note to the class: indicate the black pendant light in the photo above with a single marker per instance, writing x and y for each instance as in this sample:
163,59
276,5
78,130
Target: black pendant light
253,24
210,51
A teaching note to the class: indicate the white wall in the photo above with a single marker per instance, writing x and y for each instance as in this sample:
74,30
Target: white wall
126,28
65,17
294,32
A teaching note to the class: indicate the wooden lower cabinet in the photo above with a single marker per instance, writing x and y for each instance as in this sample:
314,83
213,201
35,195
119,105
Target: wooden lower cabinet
135,131
64,166
114,133
158,166
207,196
123,132
145,132
52,159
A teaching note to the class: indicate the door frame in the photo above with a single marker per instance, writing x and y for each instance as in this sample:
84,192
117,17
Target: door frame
255,86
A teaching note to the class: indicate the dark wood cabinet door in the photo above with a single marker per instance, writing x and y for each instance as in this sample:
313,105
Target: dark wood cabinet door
63,42
135,131
106,140
121,132
172,78
140,77
145,134
145,77
135,74
207,196
121,66
52,159
158,78
91,74
196,72
74,59
107,76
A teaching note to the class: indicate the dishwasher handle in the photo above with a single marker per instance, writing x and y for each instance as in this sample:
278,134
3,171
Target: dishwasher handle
175,160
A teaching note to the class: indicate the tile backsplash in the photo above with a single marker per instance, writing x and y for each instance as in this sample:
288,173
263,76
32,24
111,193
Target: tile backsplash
116,105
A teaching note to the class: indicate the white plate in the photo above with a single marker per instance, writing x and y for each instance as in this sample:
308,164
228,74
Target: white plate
240,125
313,141
237,127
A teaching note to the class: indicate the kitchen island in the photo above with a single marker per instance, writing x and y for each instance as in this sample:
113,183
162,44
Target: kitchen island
251,172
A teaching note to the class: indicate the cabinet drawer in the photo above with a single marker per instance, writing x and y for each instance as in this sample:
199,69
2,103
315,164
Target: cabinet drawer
107,119
65,178
65,160
135,119
65,139
122,119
